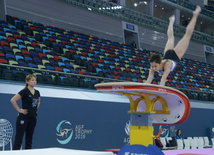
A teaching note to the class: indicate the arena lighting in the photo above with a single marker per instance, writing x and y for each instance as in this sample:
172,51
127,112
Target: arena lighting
135,4
145,2
113,8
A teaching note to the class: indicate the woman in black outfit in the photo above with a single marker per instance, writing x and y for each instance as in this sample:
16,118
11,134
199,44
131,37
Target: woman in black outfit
26,119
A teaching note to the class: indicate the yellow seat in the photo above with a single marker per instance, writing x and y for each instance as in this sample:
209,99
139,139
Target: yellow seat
12,62
44,62
13,45
41,67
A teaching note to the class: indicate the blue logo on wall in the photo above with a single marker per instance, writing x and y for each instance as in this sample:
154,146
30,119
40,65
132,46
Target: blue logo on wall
208,49
63,132
130,27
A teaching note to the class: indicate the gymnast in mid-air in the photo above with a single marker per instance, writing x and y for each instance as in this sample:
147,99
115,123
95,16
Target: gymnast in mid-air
172,55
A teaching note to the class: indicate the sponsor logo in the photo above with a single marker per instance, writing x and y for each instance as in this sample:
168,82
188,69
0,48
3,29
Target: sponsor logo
127,131
65,132
22,122
168,131
129,153
162,90
117,87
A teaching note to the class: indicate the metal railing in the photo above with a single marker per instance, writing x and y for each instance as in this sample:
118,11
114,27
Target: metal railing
192,94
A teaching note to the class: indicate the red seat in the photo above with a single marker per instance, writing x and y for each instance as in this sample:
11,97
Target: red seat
128,69
154,82
116,73
112,55
117,68
116,77
168,84
3,61
24,52
16,36
37,26
83,54
78,42
128,79
72,51
58,69
55,57
139,80
15,18
137,71
90,51
9,39
64,42
74,38
34,44
32,29
51,39
4,43
81,72
178,86
100,61
94,64
41,55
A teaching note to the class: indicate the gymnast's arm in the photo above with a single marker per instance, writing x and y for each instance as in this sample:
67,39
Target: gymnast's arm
166,72
151,74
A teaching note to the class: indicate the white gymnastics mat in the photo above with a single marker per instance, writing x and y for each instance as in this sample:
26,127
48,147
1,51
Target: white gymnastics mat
54,151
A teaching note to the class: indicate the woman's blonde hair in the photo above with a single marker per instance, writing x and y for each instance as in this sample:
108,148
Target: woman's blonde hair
28,77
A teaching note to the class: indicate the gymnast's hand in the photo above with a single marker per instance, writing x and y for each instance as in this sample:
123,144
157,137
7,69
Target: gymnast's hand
23,111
